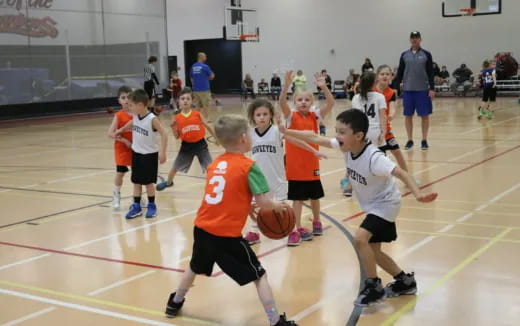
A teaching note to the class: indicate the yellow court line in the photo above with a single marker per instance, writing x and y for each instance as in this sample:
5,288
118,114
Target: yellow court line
457,223
101,302
470,210
446,277
454,235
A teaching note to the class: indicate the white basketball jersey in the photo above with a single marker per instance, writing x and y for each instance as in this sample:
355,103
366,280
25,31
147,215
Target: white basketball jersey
144,139
374,103
370,173
268,153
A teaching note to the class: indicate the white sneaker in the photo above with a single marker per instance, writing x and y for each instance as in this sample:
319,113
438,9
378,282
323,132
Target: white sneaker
116,200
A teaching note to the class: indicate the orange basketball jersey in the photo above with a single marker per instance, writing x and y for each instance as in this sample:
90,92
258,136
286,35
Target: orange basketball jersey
227,197
302,165
389,94
190,126
122,153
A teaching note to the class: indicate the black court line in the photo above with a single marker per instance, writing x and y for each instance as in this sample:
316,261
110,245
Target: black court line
55,192
356,311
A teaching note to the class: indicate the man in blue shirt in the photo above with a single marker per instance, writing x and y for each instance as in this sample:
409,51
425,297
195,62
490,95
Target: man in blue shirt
201,74
416,73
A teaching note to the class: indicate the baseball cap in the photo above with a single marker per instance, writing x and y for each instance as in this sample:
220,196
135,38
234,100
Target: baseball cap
415,34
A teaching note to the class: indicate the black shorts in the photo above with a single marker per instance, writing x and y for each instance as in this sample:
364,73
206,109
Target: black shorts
490,94
381,229
144,168
233,255
149,88
390,145
305,190
122,168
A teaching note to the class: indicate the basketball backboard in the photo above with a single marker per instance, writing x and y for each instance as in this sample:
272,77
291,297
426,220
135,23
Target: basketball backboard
241,24
452,8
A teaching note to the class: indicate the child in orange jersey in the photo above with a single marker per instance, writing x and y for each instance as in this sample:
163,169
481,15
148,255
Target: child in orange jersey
302,166
122,143
232,181
188,125
384,76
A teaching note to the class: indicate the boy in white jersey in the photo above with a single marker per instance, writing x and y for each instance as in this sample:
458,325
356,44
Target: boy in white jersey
145,152
268,153
370,173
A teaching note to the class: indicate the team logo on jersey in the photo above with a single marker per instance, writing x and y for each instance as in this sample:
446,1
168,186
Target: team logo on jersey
140,130
264,149
190,128
221,168
353,175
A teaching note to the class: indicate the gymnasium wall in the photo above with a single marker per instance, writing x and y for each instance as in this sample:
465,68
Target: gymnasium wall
65,50
302,33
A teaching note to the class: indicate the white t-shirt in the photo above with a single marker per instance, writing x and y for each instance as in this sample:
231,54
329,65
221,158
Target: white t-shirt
371,107
144,138
370,173
268,153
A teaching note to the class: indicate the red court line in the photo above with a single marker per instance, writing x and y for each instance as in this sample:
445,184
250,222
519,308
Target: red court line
273,250
61,252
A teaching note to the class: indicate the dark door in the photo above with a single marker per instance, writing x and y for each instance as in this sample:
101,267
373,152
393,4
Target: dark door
224,58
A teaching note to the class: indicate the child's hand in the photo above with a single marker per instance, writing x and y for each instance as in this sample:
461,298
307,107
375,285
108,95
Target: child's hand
112,135
320,80
426,198
162,157
281,127
288,77
253,212
280,207
320,155
390,117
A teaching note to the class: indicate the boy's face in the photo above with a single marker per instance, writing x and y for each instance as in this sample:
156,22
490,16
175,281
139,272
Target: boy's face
185,101
136,108
346,137
123,100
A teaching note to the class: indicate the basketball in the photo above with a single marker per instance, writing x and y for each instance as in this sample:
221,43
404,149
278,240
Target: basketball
110,109
275,225
159,109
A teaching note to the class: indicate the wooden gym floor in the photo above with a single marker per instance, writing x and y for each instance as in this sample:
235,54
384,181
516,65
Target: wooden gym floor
67,259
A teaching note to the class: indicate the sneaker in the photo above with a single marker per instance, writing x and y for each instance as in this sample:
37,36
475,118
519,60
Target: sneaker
135,211
402,286
284,322
347,192
305,234
371,294
294,239
490,114
163,185
172,308
116,200
252,238
424,145
409,144
151,210
480,113
317,228
344,183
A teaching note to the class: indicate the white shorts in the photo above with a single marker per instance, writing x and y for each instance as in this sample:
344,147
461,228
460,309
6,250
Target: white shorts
279,191
373,136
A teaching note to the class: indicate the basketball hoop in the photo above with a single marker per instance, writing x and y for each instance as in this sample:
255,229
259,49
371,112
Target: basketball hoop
249,37
467,11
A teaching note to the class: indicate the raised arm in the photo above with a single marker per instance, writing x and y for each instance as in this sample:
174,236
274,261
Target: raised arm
157,125
306,146
286,110
329,104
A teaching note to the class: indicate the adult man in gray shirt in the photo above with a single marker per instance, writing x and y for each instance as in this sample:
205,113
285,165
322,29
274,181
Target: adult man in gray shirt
416,73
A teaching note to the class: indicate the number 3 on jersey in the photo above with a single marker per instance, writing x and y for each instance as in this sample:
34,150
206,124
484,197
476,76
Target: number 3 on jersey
218,191
371,112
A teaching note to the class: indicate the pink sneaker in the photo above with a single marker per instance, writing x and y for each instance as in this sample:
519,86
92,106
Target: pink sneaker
305,234
252,238
294,239
317,228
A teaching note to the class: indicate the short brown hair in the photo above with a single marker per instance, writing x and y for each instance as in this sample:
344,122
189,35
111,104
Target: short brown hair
229,128
139,96
259,103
